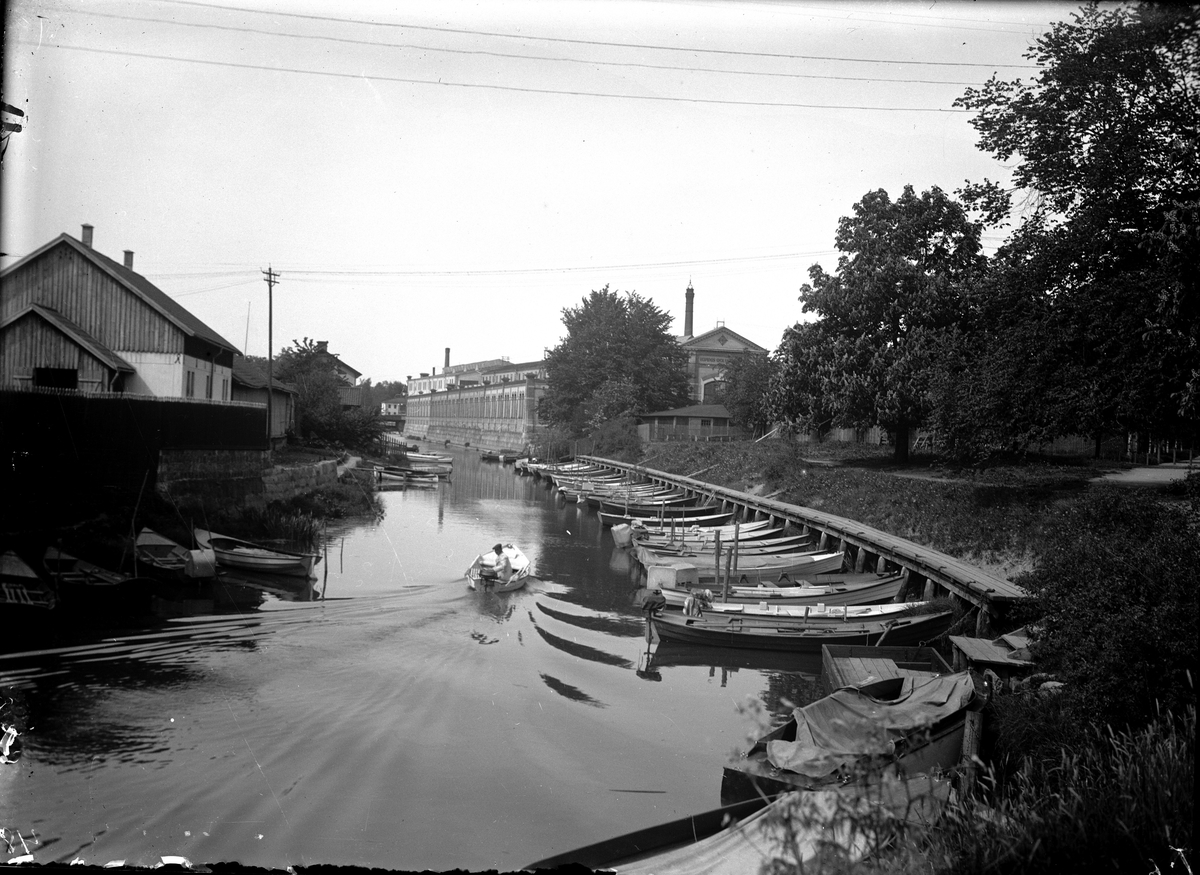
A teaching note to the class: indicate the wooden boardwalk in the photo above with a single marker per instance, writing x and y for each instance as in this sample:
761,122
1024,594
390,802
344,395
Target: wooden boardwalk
863,545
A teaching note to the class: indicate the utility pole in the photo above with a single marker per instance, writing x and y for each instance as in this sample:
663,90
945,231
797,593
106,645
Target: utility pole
272,278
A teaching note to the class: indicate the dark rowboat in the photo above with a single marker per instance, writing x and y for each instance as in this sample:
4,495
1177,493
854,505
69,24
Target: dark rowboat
237,553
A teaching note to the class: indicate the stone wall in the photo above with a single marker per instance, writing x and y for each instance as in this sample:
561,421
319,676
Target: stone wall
241,478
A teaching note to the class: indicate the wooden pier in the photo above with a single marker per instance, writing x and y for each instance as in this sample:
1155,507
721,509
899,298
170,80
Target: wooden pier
927,571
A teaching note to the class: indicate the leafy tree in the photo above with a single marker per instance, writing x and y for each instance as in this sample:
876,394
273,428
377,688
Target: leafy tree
881,317
747,392
618,358
319,414
1106,143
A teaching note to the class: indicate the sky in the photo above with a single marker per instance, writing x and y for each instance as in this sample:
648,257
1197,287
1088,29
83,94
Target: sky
432,175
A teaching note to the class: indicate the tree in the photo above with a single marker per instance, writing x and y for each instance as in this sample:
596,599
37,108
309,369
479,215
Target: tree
747,392
319,414
1106,140
899,285
618,359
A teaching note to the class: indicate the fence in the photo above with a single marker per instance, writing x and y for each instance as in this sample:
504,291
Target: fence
66,436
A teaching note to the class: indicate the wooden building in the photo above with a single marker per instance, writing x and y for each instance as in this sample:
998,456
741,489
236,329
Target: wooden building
700,422
72,318
250,385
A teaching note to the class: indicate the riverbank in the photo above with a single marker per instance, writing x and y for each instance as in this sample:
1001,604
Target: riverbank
1113,570
993,517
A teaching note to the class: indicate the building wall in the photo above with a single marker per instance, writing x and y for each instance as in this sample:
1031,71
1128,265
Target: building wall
64,279
31,342
500,416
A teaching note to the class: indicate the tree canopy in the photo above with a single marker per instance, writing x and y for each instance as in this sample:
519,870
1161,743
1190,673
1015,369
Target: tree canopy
900,285
320,417
1098,284
618,359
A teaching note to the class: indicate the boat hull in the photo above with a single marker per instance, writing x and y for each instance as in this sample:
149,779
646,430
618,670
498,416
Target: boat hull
797,636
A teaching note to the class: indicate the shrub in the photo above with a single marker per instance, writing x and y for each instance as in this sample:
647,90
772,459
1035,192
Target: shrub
1116,584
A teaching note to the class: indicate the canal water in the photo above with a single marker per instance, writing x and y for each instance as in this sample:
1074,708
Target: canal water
403,721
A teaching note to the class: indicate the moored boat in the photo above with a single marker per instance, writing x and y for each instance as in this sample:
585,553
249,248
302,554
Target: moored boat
20,585
915,723
797,635
162,557
743,837
481,573
749,570
239,553
859,589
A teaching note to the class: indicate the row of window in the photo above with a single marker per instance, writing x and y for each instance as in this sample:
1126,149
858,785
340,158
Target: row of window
189,389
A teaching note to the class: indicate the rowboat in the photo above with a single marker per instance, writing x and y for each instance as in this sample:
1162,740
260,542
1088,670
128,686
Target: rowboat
162,557
20,586
750,570
646,553
746,836
862,589
814,615
238,553
481,573
796,635
87,588
693,531
408,476
915,722
697,515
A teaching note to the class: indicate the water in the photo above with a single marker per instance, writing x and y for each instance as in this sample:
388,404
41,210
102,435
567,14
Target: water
405,722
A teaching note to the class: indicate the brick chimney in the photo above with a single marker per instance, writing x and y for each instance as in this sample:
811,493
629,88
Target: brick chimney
87,236
447,358
129,258
687,317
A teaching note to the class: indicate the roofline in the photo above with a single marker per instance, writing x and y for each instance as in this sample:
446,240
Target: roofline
98,258
94,347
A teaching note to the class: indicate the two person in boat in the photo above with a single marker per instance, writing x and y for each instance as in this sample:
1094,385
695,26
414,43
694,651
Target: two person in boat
500,571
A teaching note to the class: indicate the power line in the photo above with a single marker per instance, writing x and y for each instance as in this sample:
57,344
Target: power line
512,56
493,87
608,44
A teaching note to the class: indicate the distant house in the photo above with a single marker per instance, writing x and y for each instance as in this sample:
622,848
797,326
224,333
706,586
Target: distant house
72,318
350,393
700,422
710,354
250,384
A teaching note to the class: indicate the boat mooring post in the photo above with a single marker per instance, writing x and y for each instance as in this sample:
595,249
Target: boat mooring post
737,540
972,738
717,556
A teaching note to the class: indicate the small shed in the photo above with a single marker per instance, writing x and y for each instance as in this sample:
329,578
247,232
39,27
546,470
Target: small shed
699,422
250,384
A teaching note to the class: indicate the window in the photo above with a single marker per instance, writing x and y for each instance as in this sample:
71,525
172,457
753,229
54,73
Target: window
190,389
208,386
224,390
56,378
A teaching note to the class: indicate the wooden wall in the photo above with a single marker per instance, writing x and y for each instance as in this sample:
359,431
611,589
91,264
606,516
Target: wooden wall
64,279
32,342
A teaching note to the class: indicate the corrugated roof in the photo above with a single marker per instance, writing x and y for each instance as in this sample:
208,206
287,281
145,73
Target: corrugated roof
97,349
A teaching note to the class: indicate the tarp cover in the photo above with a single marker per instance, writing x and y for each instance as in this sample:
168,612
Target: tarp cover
812,819
847,724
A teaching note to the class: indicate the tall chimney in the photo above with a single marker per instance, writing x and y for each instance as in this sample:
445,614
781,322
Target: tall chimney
687,317
447,357
87,236
129,258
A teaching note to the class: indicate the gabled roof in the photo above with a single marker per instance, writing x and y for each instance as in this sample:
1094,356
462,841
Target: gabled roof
696,411
155,297
702,339
248,374
97,349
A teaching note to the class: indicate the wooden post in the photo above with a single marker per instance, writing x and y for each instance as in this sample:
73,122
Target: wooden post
824,543
982,622
930,590
717,556
737,528
903,587
860,559
881,564
972,738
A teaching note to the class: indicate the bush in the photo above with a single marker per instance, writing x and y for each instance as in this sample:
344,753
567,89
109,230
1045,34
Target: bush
1116,585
